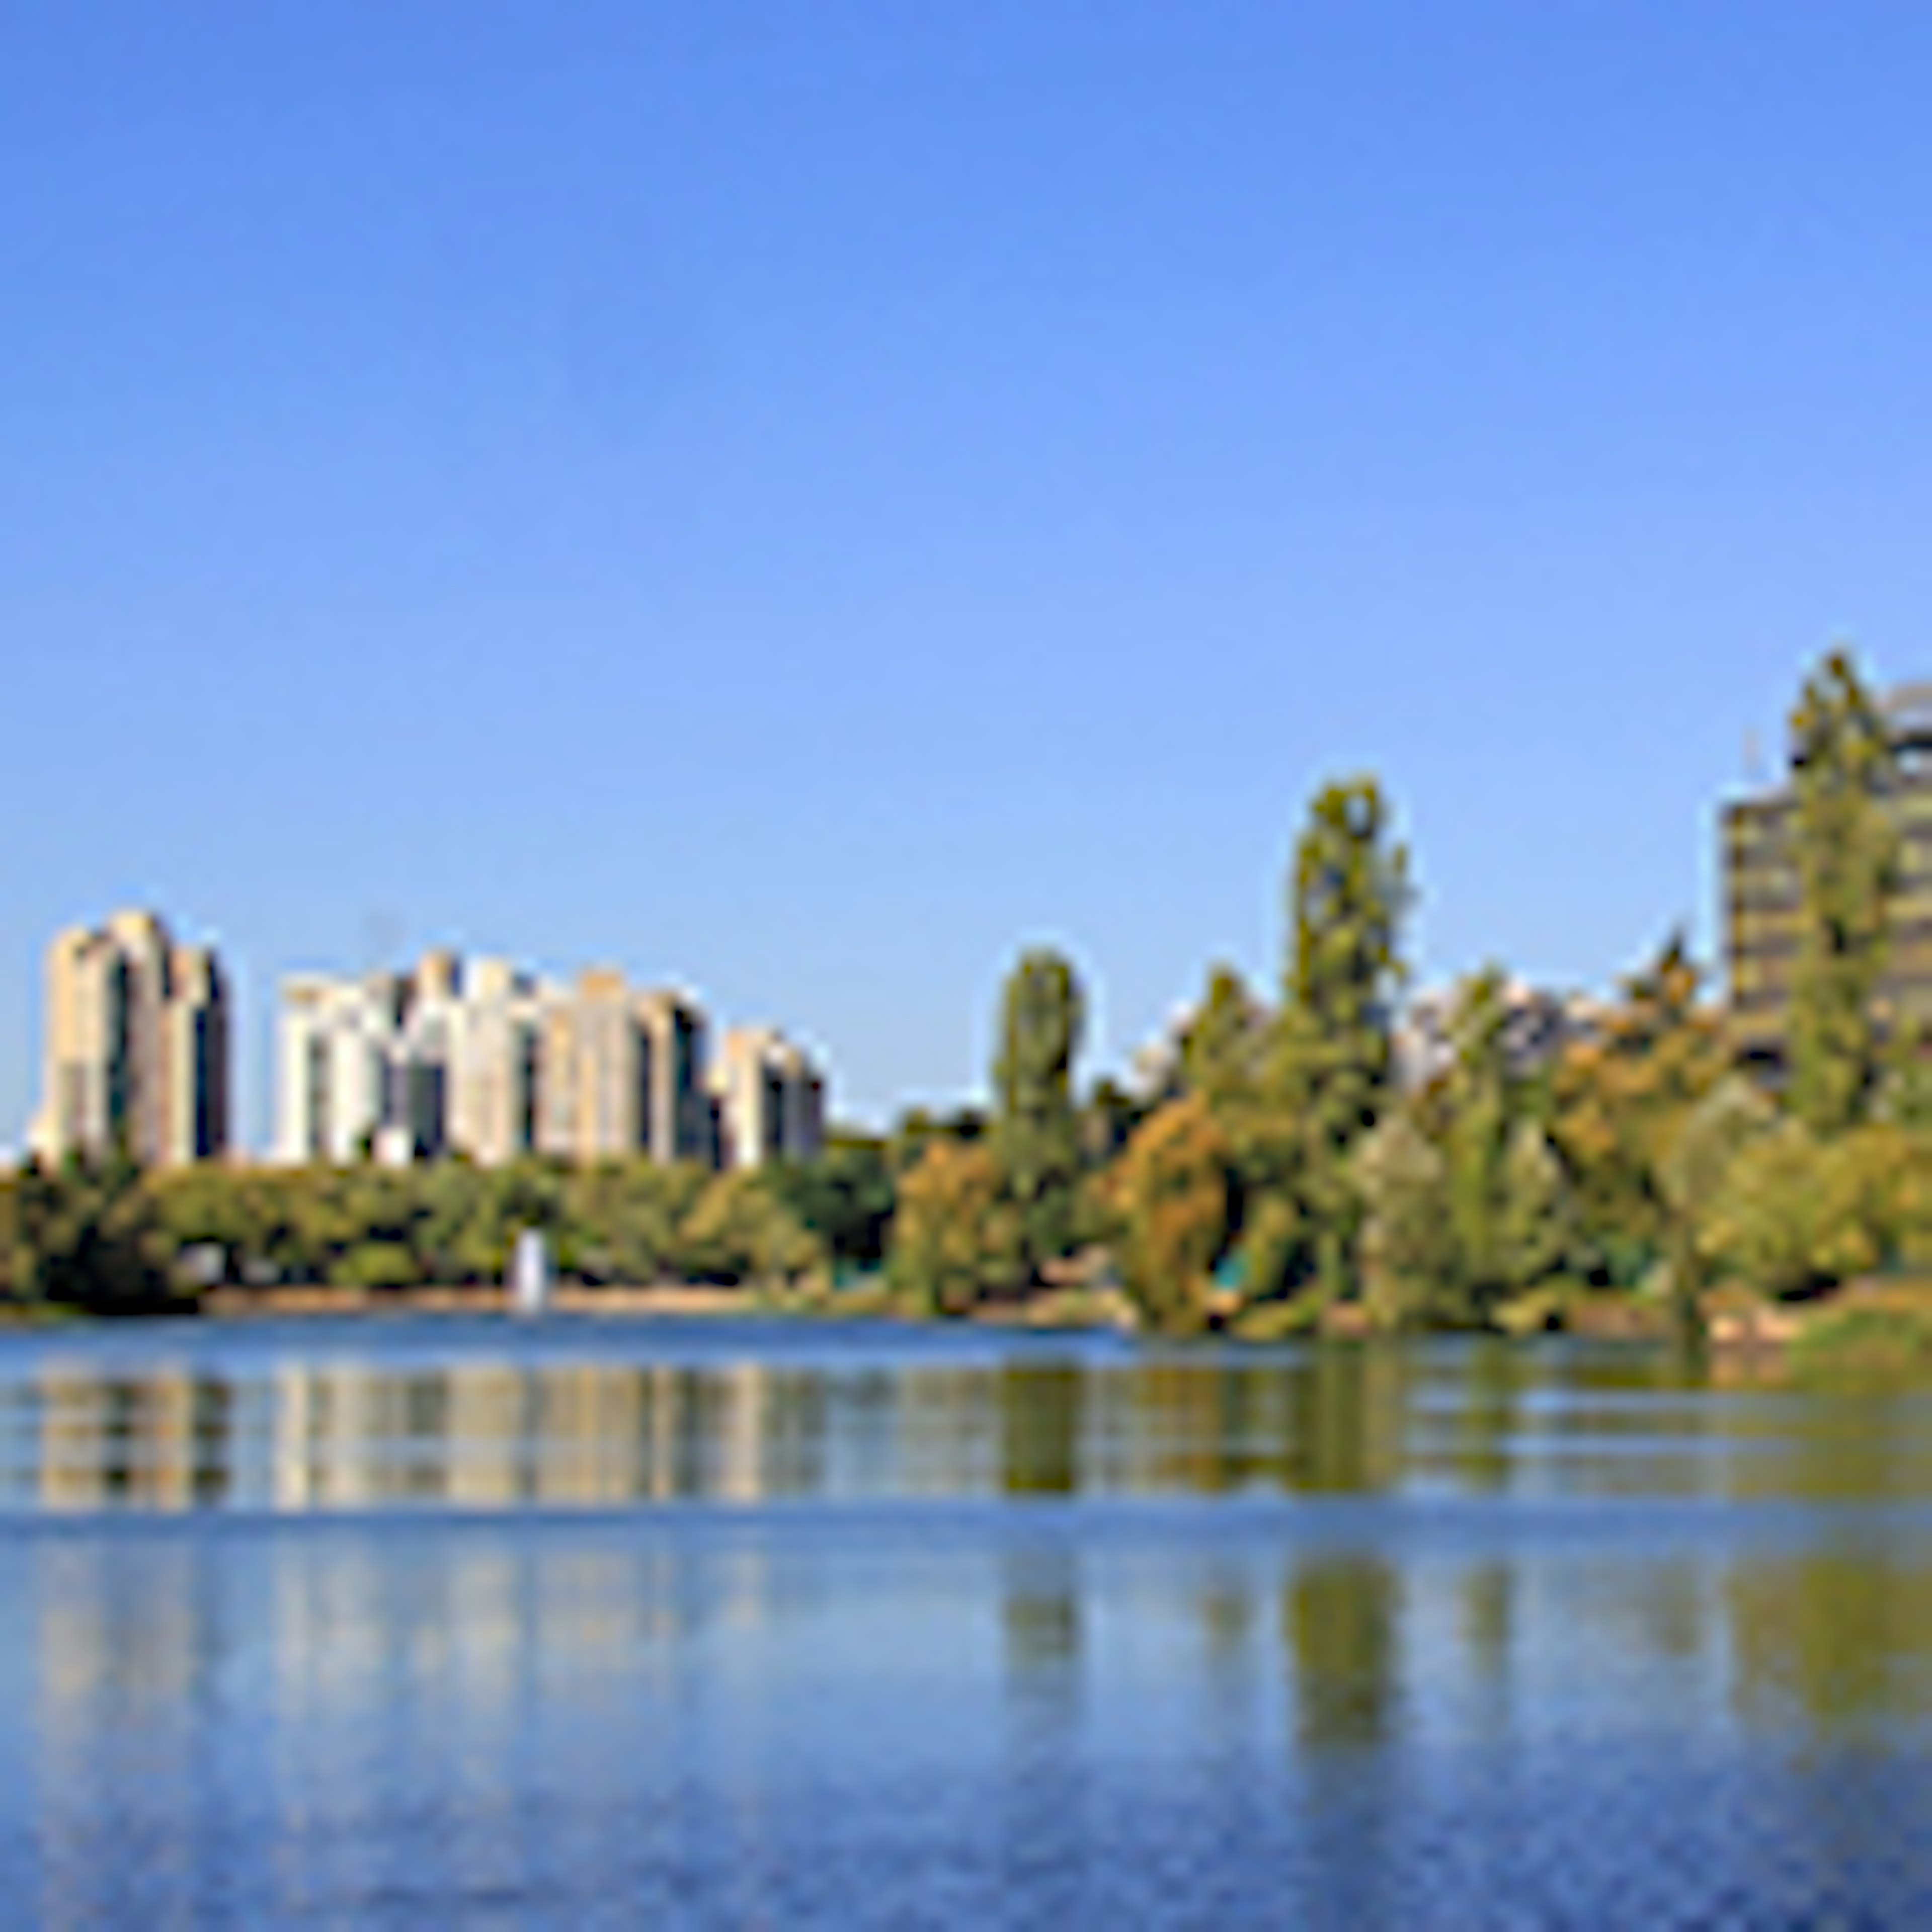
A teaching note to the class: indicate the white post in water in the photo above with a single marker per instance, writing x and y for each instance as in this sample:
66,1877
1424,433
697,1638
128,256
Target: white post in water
529,1274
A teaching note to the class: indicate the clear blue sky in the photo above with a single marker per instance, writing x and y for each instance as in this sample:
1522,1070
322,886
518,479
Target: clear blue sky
803,499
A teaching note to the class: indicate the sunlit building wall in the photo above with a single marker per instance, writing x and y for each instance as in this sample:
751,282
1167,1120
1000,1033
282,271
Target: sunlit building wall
771,1100
489,1063
135,1047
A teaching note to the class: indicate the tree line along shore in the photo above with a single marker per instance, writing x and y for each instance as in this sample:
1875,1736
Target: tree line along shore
1643,1179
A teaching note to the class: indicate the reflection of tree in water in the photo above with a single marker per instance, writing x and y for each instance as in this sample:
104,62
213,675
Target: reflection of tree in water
1486,1427
1344,1426
1225,1605
1488,1621
1039,1428
1173,1435
1047,1846
1842,1637
1042,1617
1339,1617
1332,1421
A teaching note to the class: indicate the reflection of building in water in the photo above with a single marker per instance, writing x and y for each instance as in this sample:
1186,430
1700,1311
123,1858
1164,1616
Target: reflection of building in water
741,1433
494,1435
104,1440
331,1435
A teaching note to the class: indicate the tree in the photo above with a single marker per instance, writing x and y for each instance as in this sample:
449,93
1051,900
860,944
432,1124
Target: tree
1108,1121
1620,1098
1408,1256
1691,1175
1171,1197
845,1196
1331,1066
1221,1048
1786,1219
1846,849
1536,1226
84,1234
1036,1136
1328,1065
956,1237
1794,1213
739,1229
624,1221
1478,1099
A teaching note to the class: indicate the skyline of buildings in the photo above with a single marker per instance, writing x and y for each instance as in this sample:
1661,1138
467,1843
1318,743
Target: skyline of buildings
490,1061
480,1059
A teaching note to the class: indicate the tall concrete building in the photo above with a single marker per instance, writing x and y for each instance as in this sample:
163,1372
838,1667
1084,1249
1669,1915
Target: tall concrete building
136,1045
486,1062
622,1073
771,1100
1762,901
678,1123
407,1066
596,1071
495,1039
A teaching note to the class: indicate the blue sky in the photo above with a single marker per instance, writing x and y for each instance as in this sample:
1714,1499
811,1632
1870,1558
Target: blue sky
803,500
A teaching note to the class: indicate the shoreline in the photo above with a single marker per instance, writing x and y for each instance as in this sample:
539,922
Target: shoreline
244,1304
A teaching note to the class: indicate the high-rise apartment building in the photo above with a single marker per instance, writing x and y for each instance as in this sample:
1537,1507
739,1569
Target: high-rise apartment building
771,1100
1762,901
135,1049
595,1071
486,1062
408,1066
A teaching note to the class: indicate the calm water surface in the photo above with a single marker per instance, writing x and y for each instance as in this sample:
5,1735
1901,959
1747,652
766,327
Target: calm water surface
458,1622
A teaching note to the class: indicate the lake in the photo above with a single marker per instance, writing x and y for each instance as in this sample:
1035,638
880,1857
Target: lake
454,1621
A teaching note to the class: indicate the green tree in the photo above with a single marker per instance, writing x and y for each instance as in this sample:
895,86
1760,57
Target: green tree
740,1229
1619,1098
1691,1175
1407,1255
957,1237
624,1221
1171,1197
1510,1208
1222,1047
1331,1066
1108,1121
1536,1229
845,1197
1036,1137
1846,848
85,1235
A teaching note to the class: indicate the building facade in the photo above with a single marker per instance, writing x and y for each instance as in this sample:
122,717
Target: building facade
135,1048
488,1062
1762,903
771,1100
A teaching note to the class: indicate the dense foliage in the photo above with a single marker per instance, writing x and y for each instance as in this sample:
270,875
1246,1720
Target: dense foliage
108,1239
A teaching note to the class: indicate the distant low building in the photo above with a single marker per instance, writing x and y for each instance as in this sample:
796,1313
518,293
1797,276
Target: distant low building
1537,1025
135,1046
